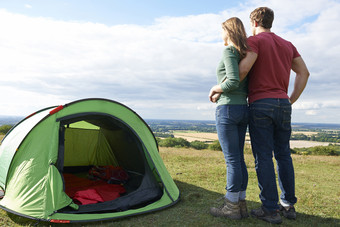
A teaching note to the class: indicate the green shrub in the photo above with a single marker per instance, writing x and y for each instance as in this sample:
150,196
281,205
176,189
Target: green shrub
198,145
330,150
174,142
215,146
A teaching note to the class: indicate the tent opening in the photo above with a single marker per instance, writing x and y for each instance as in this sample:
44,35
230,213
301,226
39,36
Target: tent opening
104,165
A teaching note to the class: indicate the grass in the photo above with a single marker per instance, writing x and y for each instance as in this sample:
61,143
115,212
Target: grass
200,176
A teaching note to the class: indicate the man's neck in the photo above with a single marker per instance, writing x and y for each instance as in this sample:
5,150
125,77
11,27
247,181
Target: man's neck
261,29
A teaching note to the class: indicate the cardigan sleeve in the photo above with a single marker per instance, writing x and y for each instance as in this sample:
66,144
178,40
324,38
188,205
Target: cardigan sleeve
230,60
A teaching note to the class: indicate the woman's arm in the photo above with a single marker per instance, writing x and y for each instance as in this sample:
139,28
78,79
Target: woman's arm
231,81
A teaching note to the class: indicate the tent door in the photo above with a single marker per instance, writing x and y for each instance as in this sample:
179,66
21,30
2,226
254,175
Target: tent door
98,140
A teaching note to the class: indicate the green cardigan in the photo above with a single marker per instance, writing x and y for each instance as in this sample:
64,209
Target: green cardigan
234,91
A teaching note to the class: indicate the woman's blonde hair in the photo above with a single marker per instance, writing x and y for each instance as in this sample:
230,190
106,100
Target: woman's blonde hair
237,34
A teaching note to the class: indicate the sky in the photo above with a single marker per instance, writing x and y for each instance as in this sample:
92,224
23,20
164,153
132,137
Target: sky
157,57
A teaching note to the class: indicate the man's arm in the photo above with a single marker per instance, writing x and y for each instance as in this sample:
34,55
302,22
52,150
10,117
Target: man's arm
301,78
246,63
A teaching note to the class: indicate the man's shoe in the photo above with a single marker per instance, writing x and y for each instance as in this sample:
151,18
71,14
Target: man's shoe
243,209
288,212
265,215
228,210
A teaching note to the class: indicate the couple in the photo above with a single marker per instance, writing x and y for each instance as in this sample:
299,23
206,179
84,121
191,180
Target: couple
258,67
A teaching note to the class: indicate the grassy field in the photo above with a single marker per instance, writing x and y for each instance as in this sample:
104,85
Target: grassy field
200,176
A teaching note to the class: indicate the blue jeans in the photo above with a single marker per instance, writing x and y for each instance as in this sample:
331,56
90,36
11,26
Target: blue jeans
270,130
231,125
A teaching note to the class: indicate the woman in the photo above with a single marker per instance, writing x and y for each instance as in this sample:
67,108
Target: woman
231,119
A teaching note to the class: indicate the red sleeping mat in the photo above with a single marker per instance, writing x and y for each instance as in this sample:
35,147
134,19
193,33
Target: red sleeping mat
84,191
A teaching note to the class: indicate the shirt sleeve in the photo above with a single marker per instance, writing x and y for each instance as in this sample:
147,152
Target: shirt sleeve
253,45
230,61
295,52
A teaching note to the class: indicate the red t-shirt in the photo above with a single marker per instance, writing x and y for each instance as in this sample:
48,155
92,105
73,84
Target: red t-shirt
269,76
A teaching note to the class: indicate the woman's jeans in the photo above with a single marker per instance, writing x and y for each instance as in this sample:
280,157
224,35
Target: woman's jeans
270,130
231,125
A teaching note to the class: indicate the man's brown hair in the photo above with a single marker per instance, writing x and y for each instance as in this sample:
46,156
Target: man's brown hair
263,16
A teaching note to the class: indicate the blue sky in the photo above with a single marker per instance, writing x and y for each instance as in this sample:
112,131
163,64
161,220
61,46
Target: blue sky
157,57
113,12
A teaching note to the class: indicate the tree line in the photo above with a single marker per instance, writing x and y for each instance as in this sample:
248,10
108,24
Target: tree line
5,128
330,150
183,143
332,137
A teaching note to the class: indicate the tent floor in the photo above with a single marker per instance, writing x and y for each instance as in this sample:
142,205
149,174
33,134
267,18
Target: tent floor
141,190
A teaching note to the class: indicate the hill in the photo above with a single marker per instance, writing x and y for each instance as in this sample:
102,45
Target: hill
209,126
9,120
202,126
200,176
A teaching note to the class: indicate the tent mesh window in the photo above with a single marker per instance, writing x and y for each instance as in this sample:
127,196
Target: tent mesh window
90,142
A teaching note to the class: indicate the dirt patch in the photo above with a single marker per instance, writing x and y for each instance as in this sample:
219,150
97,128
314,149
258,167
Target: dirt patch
199,136
303,143
305,133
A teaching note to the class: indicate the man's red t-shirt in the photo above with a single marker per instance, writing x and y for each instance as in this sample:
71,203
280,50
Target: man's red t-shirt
269,76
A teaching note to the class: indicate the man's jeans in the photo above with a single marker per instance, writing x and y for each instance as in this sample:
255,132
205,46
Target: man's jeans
231,125
270,130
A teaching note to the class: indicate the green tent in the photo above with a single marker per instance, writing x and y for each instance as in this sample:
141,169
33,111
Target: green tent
39,152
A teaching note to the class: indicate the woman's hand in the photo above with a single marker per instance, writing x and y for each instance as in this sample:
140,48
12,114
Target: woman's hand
215,97
215,93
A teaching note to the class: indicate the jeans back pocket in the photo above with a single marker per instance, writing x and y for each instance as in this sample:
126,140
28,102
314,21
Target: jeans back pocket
261,116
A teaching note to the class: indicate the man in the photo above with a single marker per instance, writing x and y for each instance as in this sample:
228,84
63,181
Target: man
269,63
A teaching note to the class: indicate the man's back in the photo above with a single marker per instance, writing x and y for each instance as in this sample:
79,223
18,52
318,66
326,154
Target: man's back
269,63
269,76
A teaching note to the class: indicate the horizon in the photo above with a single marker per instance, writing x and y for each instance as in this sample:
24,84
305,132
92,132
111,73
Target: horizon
187,120
158,58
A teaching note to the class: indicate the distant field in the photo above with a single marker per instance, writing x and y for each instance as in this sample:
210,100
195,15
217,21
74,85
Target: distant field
305,133
210,137
304,143
192,136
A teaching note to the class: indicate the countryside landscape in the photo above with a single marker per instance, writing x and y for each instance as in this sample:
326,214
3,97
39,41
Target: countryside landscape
194,160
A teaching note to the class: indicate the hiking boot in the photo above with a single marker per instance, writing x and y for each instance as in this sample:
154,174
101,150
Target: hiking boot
288,212
228,210
265,215
243,209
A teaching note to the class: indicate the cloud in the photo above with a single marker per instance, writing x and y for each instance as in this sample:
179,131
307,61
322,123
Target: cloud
163,70
316,104
74,60
311,112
